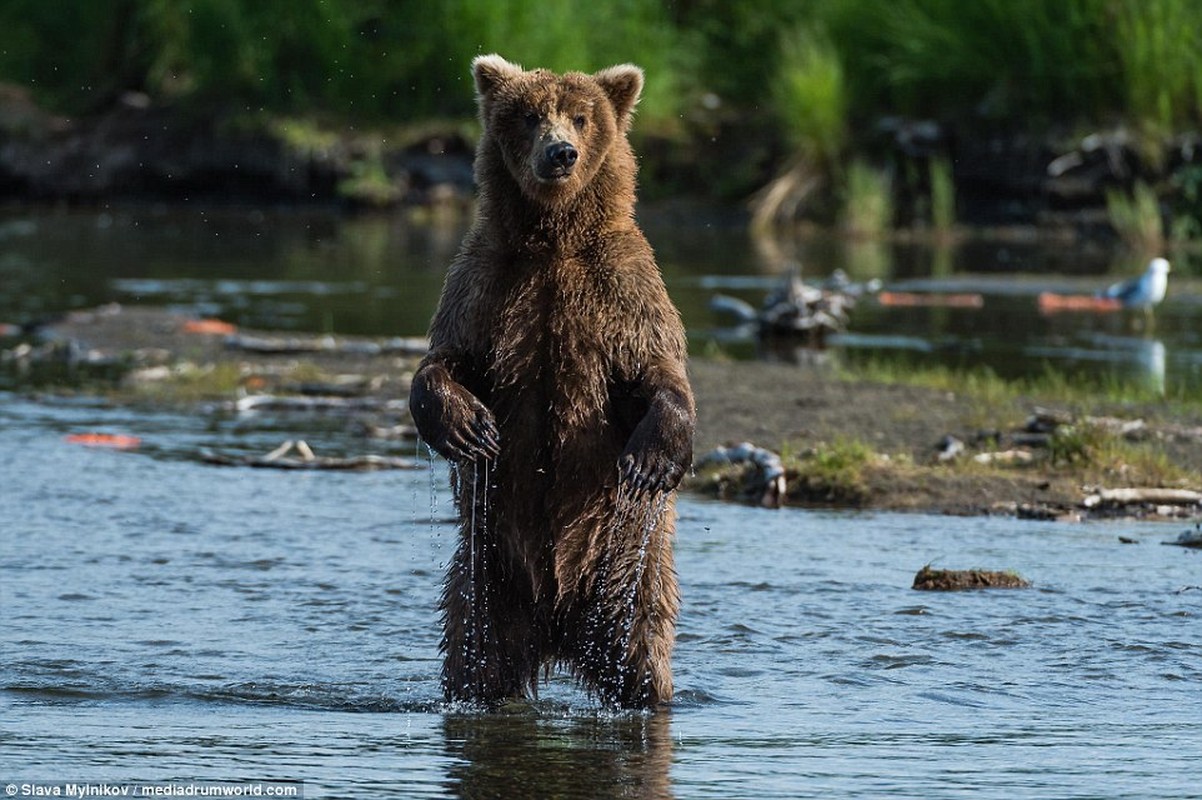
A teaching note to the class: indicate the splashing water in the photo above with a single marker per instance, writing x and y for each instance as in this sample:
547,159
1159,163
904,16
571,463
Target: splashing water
624,597
433,484
475,546
636,517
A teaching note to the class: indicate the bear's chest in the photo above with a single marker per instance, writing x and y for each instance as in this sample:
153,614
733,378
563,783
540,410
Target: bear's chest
554,339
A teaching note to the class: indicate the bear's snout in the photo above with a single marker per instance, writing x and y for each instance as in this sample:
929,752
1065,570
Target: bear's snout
562,154
556,161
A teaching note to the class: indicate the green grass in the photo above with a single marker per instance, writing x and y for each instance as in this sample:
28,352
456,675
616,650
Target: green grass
831,472
943,196
1136,218
1161,62
837,60
1098,456
188,384
823,71
994,392
810,94
868,201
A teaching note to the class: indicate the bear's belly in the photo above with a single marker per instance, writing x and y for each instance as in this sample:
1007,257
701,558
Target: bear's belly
552,361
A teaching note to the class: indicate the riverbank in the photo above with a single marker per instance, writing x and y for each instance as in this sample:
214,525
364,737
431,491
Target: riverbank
1055,183
845,440
851,441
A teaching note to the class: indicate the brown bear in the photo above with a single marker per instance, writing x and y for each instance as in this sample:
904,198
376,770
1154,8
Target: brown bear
555,384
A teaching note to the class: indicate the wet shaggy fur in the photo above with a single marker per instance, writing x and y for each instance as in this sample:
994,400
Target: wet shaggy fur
555,383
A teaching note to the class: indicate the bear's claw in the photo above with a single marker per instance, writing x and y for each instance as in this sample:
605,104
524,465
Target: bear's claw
648,474
479,439
451,420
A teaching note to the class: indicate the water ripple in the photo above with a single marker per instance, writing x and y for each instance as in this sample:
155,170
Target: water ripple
192,611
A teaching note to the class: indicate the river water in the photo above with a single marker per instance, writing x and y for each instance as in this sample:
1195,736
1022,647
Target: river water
167,620
317,271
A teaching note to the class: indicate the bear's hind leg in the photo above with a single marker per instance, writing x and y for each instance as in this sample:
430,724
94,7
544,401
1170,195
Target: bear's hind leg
490,636
622,630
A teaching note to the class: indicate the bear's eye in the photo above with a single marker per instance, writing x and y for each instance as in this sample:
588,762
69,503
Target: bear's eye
532,119
580,122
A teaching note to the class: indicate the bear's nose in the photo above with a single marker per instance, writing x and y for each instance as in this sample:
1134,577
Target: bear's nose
562,154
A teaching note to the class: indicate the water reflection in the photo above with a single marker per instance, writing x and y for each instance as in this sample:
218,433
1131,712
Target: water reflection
526,754
1143,358
317,271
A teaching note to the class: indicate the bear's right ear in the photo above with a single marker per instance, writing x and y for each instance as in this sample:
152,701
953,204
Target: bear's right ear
622,84
492,71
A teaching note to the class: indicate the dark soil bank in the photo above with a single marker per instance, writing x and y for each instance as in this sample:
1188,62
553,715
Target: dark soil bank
812,417
138,149
804,411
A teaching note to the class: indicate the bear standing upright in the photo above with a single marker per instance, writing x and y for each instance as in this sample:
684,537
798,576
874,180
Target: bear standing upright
555,384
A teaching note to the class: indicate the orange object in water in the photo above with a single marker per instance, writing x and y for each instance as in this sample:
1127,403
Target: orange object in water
210,326
972,300
1050,303
116,441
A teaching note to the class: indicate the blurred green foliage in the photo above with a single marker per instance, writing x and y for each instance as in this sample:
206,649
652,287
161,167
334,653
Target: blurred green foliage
801,82
1068,60
375,59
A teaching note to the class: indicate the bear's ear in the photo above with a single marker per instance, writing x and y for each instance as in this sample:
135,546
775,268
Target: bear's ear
492,71
623,84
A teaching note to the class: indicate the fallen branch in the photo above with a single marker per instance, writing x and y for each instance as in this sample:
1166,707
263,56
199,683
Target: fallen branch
311,404
402,431
1154,496
1005,457
264,345
307,459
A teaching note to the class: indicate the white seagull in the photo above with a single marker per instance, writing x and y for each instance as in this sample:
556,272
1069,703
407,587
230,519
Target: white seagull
1145,291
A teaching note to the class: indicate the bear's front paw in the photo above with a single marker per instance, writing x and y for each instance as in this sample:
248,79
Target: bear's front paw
647,471
470,435
452,420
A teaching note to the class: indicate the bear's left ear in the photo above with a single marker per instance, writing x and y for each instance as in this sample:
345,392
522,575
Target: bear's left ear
623,84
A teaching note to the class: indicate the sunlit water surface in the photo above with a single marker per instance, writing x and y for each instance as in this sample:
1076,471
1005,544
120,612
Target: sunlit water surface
312,270
164,620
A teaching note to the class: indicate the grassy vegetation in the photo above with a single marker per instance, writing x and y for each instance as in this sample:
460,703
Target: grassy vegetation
831,473
811,78
187,384
993,392
368,59
943,197
1100,457
1136,218
811,96
868,201
1161,62
842,59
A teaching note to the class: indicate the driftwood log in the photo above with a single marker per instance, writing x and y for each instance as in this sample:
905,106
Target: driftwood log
295,345
306,459
314,404
1151,496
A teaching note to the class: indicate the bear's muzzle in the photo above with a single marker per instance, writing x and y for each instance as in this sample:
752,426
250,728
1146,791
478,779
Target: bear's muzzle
555,158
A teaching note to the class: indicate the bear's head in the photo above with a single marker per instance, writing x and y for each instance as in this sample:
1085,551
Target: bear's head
554,132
